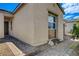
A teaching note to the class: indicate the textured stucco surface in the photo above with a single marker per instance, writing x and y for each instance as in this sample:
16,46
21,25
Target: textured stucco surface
30,24
68,27
1,25
3,14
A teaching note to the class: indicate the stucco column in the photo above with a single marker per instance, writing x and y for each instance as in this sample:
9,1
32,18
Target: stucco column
60,27
1,25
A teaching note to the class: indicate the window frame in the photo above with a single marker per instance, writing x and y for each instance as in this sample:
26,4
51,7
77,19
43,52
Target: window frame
56,22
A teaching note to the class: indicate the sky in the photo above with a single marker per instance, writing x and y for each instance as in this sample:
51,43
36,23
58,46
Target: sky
8,6
71,10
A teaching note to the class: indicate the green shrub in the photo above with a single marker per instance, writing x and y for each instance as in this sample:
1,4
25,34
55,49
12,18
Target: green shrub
75,31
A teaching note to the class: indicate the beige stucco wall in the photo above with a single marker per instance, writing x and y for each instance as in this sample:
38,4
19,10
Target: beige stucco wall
30,24
55,9
68,27
7,14
40,24
23,24
60,27
2,15
1,25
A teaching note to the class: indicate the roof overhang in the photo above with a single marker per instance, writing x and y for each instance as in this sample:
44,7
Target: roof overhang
17,7
60,8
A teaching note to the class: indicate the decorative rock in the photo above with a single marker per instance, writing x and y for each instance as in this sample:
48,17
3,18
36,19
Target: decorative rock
77,40
51,43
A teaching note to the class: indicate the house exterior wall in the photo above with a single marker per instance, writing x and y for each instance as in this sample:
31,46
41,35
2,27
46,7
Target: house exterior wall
60,27
68,27
55,9
40,24
1,25
30,24
23,24
7,14
3,14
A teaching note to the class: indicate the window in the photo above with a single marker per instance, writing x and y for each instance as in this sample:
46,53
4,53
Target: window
51,26
51,22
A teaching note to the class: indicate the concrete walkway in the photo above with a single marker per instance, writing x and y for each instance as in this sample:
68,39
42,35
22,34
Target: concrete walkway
62,49
27,49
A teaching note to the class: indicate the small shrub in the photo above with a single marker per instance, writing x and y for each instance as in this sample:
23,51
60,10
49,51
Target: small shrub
75,31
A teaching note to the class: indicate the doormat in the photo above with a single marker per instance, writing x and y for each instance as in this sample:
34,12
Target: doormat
9,49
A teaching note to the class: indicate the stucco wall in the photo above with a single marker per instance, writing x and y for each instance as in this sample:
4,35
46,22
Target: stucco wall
23,26
30,24
1,25
40,24
55,9
68,27
2,15
60,27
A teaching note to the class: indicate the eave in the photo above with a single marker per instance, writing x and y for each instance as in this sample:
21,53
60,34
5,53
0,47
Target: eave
60,8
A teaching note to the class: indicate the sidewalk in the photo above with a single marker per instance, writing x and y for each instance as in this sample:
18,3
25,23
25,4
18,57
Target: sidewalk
61,49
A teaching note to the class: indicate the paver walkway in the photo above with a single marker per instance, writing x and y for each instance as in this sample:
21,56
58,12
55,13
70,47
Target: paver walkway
62,49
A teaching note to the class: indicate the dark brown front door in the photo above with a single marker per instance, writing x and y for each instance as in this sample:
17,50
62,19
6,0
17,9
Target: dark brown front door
6,28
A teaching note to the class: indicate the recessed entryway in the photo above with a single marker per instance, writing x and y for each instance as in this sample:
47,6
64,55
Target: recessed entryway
6,28
52,24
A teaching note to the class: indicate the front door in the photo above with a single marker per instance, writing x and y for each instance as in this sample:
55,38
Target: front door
6,28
